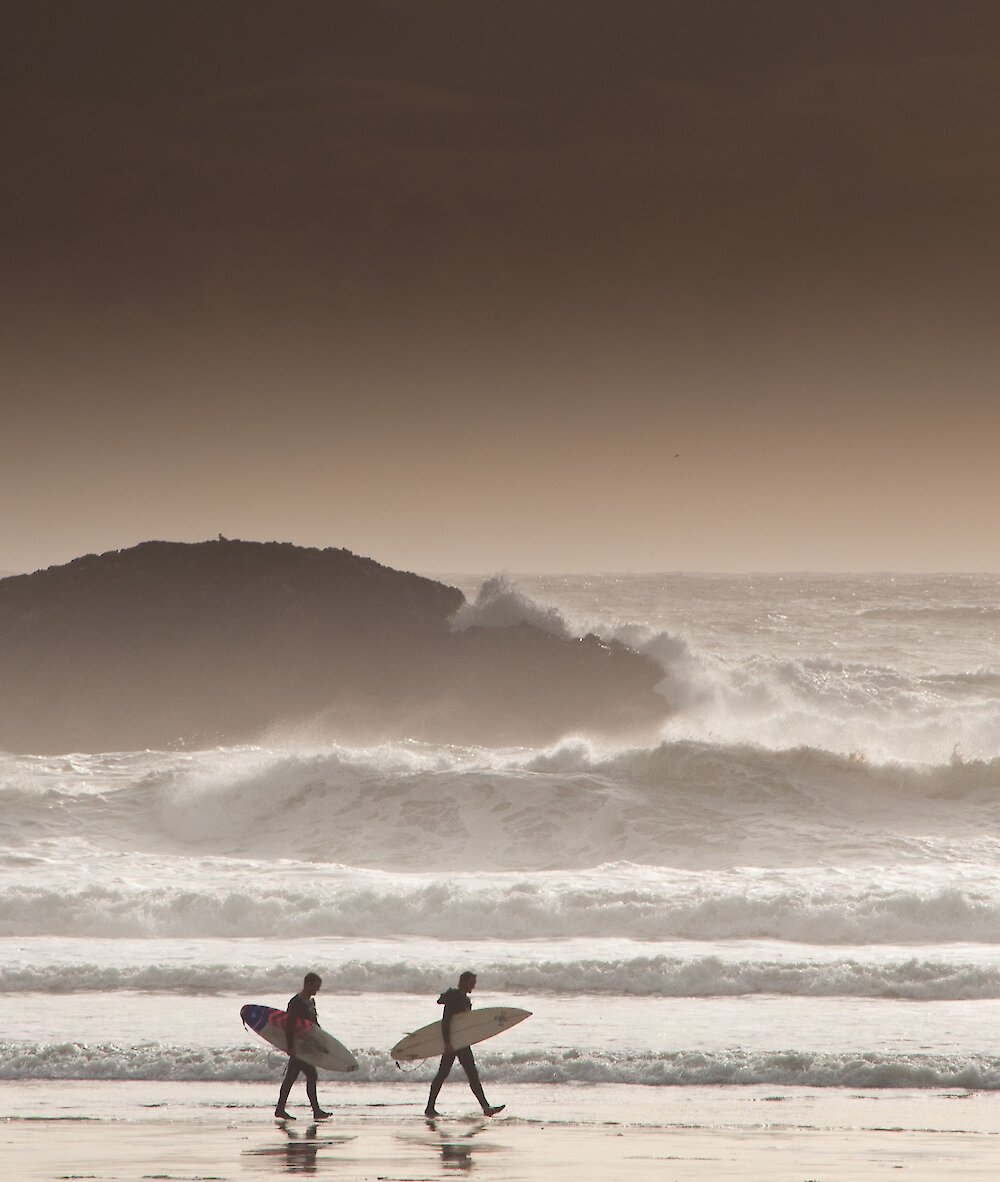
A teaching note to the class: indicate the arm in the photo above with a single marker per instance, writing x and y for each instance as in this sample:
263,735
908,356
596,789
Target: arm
454,1003
294,1013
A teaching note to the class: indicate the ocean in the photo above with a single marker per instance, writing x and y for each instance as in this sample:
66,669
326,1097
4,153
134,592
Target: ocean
791,893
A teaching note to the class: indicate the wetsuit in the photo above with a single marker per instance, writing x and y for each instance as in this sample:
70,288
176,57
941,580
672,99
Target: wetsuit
300,1007
456,1002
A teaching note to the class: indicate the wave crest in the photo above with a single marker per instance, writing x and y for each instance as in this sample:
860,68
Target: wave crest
658,976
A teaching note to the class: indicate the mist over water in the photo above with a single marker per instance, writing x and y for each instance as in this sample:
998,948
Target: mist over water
817,820
889,667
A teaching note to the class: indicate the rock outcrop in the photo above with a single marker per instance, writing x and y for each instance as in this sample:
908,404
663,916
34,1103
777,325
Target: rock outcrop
169,644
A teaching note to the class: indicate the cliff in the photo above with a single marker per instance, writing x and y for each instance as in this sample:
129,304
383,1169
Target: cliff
170,644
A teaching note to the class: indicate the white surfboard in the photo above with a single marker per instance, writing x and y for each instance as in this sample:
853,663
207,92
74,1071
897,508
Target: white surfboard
312,1043
471,1027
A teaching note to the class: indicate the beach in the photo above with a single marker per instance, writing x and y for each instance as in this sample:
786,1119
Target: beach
119,1131
761,945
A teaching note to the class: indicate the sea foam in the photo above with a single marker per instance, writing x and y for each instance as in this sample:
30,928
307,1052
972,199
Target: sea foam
685,804
917,979
738,905
787,1068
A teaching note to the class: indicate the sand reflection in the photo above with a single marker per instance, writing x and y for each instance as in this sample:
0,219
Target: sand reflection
299,1151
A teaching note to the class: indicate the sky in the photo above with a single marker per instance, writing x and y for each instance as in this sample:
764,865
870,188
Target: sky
678,285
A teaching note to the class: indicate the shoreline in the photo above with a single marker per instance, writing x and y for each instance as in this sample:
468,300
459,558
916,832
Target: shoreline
117,1130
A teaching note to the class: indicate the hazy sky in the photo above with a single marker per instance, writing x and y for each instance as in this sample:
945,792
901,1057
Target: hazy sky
706,284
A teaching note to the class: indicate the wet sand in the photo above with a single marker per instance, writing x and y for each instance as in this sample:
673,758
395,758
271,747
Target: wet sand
118,1131
505,1152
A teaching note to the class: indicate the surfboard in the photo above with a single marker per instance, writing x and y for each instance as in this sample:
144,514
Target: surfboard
312,1043
468,1028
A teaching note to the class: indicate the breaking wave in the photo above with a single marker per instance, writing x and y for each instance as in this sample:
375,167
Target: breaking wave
740,905
787,1068
684,804
917,979
500,604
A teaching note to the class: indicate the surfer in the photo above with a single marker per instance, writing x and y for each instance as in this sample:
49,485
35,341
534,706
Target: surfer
457,1001
301,1006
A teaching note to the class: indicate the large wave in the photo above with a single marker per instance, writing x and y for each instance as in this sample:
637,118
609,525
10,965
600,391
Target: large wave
858,677
451,810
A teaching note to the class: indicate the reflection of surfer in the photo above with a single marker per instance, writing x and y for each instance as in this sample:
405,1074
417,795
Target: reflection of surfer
300,1007
456,1001
301,1153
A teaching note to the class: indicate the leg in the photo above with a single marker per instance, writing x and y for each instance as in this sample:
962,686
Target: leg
291,1075
312,1077
468,1061
447,1062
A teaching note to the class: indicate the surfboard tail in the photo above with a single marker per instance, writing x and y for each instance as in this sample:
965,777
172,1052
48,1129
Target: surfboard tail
255,1017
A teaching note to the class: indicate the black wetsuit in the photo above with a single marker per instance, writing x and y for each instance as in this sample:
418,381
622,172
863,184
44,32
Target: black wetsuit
456,1002
298,1008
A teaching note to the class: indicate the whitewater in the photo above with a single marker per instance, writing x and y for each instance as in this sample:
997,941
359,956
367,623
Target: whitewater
796,884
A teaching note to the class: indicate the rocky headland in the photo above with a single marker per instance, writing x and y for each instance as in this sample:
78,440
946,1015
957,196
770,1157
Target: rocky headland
172,644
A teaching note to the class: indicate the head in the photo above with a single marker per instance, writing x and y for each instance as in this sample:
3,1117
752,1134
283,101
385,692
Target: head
467,981
311,984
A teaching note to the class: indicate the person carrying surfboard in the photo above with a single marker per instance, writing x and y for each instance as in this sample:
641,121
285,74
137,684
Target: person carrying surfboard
457,1001
301,1006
